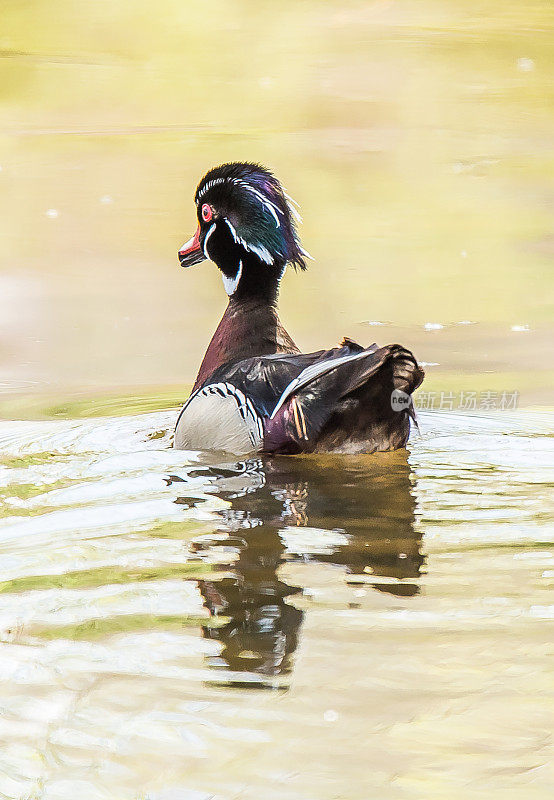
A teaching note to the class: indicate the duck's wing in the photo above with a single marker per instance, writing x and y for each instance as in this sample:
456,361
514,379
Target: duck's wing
339,399
351,402
229,410
268,378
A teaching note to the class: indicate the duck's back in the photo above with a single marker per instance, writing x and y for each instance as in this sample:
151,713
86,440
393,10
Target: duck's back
339,400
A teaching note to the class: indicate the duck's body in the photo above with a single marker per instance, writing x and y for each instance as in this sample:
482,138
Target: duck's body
255,391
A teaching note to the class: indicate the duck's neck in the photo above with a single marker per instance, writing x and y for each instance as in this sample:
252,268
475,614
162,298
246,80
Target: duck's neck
249,327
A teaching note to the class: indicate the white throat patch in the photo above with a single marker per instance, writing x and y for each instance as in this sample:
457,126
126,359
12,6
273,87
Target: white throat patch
231,284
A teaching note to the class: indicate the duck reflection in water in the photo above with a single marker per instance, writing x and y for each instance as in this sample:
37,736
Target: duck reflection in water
357,512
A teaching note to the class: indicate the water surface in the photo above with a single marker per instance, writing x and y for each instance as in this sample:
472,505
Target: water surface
177,625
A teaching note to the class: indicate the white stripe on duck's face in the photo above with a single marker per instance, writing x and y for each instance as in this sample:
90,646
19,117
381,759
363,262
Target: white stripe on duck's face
261,251
231,284
206,240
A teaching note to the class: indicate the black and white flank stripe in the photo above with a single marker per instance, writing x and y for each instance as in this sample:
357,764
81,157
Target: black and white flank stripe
219,416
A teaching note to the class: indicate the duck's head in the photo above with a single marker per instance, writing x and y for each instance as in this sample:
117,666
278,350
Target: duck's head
246,226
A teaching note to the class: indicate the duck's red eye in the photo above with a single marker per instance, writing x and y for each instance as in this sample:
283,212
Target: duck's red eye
207,212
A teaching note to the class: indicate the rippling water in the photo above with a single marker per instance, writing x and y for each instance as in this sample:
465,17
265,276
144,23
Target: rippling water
176,626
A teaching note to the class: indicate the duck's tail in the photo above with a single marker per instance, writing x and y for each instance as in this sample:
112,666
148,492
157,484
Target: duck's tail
357,400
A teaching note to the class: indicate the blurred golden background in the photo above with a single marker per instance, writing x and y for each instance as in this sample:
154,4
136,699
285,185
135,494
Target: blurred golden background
416,136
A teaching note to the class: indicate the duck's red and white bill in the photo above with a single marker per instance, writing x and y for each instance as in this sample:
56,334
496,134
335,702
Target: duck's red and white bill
191,252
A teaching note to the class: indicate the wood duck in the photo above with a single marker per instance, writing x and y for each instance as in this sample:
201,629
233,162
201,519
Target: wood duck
255,391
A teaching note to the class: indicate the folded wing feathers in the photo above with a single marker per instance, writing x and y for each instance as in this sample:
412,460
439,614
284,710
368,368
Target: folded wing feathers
316,371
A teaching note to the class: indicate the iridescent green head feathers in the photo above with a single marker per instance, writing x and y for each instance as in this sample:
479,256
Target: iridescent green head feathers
246,226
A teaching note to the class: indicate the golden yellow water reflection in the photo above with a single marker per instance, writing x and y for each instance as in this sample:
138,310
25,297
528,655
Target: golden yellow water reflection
416,136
